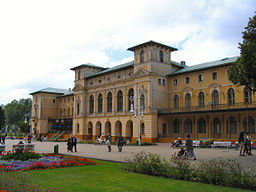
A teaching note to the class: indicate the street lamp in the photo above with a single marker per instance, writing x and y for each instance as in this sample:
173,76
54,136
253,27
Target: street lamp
138,109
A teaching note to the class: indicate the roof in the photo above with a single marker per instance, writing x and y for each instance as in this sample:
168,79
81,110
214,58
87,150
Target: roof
87,65
152,43
54,91
177,64
112,69
212,64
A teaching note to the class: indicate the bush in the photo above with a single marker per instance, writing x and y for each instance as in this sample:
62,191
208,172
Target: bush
24,156
147,143
217,172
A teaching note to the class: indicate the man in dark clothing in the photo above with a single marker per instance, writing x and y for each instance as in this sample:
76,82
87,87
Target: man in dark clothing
120,142
74,142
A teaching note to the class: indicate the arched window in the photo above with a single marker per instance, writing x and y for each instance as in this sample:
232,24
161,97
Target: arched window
249,124
201,99
215,98
78,108
77,128
64,111
161,56
131,99
231,96
201,125
188,100
247,95
188,126
90,128
142,56
120,101
68,111
79,75
142,101
176,126
231,125
176,101
91,104
109,102
142,127
216,126
100,103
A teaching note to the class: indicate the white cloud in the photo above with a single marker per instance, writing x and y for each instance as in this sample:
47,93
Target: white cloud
41,40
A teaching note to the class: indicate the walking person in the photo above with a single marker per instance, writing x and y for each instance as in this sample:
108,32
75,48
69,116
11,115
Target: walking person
109,141
248,144
241,141
74,142
69,145
189,148
120,141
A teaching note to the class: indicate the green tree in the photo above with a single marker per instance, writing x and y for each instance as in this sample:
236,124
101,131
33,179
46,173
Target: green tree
19,113
2,118
243,71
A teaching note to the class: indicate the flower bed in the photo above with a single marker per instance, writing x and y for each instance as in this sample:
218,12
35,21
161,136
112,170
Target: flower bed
218,172
47,161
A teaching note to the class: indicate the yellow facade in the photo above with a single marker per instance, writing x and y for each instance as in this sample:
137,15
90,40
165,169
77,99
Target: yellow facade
102,100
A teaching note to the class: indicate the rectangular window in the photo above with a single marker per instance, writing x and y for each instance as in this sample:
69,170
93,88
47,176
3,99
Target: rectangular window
187,80
200,78
175,82
214,76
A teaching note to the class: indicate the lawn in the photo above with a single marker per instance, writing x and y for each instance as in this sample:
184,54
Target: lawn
108,176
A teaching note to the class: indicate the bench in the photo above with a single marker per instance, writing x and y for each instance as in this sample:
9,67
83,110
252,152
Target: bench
196,143
221,144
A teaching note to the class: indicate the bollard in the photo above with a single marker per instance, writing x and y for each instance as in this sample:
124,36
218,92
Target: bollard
56,149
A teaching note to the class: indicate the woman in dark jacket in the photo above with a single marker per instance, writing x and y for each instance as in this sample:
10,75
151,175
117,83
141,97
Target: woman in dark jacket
241,141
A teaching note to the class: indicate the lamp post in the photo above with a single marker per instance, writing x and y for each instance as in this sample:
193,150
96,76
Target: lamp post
138,109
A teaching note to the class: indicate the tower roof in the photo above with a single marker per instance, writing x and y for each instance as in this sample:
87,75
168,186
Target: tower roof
152,43
87,65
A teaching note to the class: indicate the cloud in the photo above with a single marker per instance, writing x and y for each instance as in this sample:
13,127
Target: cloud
42,40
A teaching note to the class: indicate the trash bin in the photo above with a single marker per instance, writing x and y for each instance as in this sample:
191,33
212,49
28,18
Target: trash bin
56,149
137,142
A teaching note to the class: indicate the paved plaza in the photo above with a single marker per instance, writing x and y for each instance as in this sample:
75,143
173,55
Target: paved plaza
164,149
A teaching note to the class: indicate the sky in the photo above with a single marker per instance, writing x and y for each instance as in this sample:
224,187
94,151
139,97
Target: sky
40,40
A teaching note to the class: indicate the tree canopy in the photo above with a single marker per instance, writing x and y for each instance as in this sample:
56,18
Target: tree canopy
243,71
19,113
2,118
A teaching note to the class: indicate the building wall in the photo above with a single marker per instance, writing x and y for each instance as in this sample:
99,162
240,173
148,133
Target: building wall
147,78
239,110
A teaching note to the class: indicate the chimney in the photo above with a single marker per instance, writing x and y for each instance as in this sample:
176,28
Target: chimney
183,63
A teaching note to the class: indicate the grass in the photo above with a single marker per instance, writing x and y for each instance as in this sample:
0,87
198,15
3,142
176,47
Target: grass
108,177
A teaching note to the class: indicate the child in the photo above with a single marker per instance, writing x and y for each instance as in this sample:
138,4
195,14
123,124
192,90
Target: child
70,146
181,152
